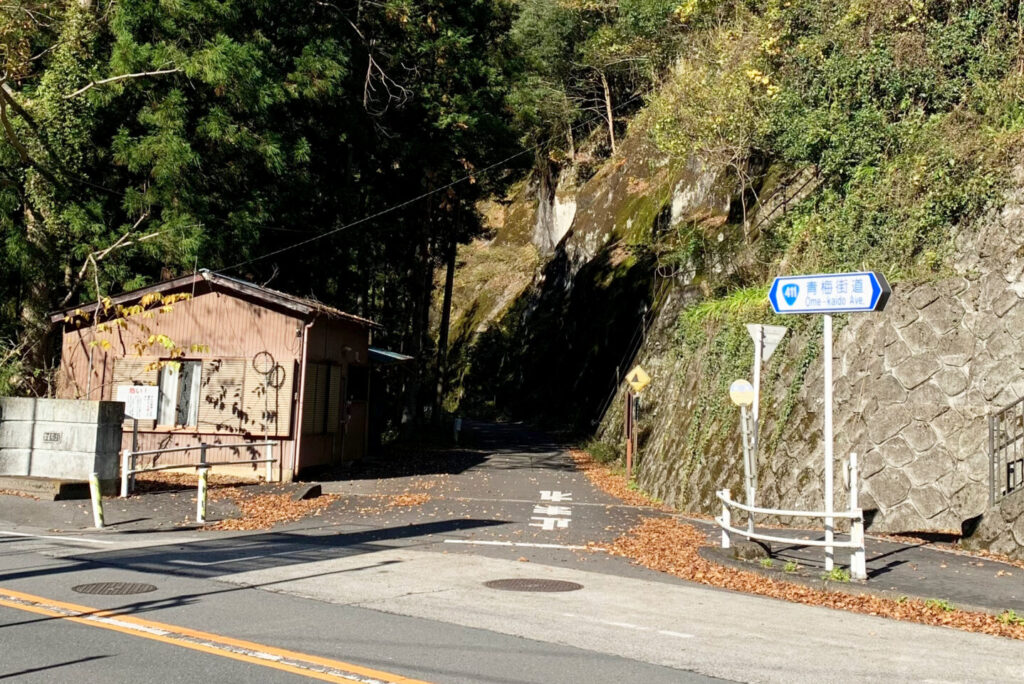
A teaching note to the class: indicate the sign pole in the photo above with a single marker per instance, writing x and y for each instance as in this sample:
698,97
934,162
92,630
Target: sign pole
748,485
829,496
629,435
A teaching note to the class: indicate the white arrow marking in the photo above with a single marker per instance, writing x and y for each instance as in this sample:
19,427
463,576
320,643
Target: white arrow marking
552,510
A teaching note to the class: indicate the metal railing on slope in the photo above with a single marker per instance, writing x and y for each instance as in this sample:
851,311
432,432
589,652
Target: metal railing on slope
1006,451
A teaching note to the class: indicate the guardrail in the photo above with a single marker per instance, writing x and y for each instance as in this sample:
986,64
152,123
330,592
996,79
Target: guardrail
858,562
128,469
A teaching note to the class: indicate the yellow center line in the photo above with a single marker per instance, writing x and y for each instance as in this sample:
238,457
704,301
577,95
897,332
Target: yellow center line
302,664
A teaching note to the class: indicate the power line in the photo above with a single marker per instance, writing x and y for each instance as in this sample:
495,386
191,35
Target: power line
401,205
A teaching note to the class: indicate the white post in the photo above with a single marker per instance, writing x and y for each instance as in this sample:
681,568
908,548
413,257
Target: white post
756,410
201,495
747,483
126,457
97,500
270,461
726,520
858,559
135,447
829,495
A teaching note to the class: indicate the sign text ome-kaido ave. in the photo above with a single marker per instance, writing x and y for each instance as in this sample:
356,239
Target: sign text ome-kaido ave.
829,293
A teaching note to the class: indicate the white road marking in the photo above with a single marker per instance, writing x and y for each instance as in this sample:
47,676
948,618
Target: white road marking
556,496
629,625
549,524
84,540
485,542
552,510
231,560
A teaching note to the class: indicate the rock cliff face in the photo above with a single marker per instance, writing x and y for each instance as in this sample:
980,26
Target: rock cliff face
914,384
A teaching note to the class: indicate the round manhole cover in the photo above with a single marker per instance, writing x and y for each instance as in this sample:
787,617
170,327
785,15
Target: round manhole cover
114,588
528,584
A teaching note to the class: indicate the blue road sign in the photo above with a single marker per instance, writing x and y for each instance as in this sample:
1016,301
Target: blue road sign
829,293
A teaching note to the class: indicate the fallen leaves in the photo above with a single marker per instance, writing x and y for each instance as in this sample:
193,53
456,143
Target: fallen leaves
12,492
263,511
610,483
671,546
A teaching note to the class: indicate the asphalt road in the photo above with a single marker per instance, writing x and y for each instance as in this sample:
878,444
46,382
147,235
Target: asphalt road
375,593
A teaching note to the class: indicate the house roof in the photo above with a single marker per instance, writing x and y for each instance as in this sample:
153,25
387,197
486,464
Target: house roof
299,305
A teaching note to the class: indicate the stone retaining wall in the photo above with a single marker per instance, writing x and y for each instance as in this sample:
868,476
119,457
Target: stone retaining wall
913,388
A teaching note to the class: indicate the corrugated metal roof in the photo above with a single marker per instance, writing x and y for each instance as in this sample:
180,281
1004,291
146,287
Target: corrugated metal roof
384,357
266,295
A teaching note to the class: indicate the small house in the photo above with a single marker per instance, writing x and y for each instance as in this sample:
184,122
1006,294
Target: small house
225,361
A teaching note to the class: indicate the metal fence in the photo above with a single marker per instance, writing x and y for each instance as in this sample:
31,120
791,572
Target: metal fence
129,468
1006,451
858,559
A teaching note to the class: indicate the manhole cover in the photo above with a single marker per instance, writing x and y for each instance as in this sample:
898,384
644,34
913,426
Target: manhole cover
527,584
114,588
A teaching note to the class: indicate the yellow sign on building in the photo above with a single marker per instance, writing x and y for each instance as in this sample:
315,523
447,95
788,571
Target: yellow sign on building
638,379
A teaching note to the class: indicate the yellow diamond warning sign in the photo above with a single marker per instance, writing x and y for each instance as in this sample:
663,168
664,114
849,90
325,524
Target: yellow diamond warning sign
638,379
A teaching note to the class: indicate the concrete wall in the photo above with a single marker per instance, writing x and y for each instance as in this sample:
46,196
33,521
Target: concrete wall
60,438
913,388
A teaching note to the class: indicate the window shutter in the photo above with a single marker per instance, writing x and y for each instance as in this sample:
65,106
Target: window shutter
334,399
133,371
268,409
312,401
221,396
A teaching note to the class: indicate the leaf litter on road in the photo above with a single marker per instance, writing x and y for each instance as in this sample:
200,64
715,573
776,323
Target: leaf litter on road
671,546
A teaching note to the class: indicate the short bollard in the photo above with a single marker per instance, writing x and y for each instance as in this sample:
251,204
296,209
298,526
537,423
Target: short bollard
201,495
97,500
726,521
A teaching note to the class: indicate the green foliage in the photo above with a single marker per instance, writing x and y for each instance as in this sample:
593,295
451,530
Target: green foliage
940,604
1010,617
836,575
224,131
602,452
790,566
767,563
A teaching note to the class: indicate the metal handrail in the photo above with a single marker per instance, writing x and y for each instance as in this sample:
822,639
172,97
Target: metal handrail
858,557
852,515
128,469
174,450
786,540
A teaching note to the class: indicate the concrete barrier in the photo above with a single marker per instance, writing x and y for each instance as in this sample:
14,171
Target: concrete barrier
65,439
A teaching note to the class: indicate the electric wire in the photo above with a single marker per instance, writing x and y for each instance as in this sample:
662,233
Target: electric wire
422,196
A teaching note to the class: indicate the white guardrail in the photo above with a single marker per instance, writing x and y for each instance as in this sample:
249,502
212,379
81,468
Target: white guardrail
858,563
128,469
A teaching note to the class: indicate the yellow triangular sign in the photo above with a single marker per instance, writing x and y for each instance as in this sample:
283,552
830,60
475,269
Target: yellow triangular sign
638,379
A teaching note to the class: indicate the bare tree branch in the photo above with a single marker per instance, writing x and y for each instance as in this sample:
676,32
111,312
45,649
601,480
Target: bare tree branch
114,79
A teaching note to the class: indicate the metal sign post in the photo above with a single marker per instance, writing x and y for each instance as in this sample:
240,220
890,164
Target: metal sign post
638,379
742,394
826,294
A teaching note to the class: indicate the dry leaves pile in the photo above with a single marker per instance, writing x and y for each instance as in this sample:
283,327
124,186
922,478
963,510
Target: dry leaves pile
385,502
670,546
24,495
609,482
667,545
263,511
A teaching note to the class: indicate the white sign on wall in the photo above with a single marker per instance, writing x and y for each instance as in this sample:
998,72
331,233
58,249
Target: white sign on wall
140,401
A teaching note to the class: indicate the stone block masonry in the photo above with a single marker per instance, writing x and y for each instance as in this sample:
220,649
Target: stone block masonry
62,439
914,386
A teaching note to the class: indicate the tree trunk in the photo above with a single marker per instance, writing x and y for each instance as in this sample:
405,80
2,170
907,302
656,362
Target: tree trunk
442,336
608,110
